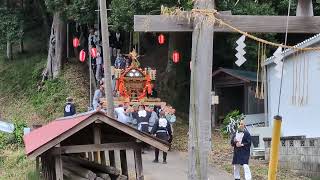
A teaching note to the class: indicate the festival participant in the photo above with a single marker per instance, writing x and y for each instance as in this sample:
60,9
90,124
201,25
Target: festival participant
120,62
98,94
241,141
99,67
162,130
121,114
69,108
153,117
142,116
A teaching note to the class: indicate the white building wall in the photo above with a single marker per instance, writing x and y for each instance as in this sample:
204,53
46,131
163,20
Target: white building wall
297,120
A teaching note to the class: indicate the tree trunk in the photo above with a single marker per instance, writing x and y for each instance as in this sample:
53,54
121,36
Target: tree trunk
57,47
9,50
42,9
170,50
21,46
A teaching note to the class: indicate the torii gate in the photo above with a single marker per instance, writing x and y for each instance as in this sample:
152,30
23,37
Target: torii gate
202,56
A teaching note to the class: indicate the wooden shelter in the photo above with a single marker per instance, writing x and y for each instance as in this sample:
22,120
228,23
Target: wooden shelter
83,141
236,91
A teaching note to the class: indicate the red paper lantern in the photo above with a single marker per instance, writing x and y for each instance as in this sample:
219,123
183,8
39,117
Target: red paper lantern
75,42
82,55
161,39
175,56
93,52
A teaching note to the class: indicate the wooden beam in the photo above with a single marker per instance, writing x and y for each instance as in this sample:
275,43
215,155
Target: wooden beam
247,23
151,140
138,164
123,161
94,147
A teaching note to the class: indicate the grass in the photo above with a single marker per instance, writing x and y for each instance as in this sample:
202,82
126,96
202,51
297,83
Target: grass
222,152
21,98
15,166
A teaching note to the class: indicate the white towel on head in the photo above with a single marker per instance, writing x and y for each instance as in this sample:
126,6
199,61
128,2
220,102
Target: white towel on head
163,122
142,113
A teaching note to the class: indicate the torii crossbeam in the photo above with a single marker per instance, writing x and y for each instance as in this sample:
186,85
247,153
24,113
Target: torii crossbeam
202,56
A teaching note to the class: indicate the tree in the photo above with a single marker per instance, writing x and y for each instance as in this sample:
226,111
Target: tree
124,10
81,11
11,25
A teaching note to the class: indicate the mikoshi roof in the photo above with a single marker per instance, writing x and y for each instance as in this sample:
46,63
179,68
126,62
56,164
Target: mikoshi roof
42,136
306,43
247,76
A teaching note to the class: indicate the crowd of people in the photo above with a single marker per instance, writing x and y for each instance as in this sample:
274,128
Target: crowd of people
156,120
119,61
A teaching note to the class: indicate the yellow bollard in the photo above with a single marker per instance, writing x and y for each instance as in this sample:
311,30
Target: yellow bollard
274,150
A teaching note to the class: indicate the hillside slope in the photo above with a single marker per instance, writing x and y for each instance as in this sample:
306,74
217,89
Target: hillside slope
22,96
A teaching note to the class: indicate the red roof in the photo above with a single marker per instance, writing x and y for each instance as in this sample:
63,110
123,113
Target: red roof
43,135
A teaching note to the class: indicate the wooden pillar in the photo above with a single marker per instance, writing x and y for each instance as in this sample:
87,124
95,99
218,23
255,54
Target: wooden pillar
103,158
246,98
90,156
123,161
38,164
58,167
305,8
138,164
112,159
200,94
97,140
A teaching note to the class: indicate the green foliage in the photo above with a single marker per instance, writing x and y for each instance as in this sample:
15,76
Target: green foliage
15,138
55,5
244,7
231,120
50,100
124,10
19,124
11,25
6,139
81,11
15,165
122,14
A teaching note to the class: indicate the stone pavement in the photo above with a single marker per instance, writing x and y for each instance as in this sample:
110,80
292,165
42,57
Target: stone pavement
176,169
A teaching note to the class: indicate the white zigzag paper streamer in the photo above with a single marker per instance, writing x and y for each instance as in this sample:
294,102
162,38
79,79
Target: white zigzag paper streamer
278,56
240,51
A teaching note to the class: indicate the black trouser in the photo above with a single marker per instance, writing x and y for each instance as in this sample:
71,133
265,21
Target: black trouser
156,154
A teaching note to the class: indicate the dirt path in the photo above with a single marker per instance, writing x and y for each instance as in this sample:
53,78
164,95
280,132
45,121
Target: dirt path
177,168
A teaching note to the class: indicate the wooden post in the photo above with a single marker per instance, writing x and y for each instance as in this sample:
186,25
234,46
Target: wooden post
97,140
305,8
58,167
200,94
103,158
106,57
112,159
123,160
138,163
38,164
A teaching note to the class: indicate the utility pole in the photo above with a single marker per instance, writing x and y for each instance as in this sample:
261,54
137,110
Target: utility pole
106,57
